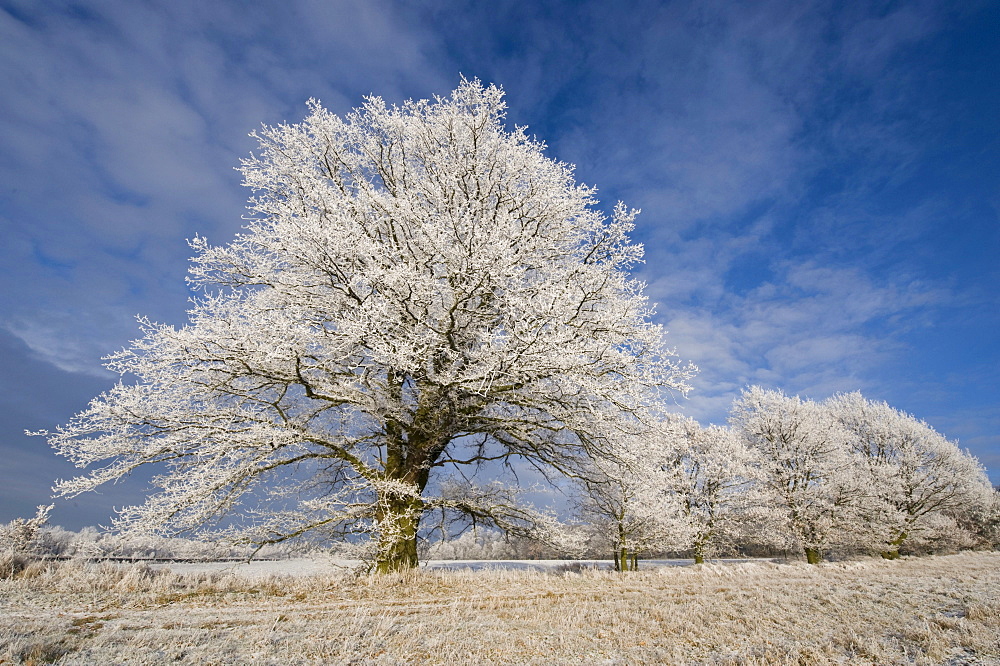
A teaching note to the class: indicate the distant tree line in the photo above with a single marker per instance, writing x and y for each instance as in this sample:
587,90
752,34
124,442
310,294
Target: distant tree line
844,476
25,539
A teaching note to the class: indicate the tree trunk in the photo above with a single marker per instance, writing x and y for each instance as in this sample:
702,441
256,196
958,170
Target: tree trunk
626,560
410,451
698,557
893,552
398,521
814,555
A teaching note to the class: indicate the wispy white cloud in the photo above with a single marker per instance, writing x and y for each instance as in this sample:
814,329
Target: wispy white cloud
810,329
51,340
121,125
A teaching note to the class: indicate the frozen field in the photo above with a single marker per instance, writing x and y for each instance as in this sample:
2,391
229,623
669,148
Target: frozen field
324,566
933,610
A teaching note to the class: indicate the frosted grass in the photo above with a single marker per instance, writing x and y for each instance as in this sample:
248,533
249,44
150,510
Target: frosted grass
932,610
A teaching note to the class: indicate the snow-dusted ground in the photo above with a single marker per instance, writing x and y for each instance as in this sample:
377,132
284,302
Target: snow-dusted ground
303,566
542,565
310,566
927,611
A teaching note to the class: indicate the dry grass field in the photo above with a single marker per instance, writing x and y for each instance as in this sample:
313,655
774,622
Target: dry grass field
933,610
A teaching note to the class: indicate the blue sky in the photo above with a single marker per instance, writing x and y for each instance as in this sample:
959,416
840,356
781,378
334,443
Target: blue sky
818,180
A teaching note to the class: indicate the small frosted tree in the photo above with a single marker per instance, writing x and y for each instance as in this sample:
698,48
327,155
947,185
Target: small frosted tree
805,464
418,290
985,521
625,499
714,479
921,484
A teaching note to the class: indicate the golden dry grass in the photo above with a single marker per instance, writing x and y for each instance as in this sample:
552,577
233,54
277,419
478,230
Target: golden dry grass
934,610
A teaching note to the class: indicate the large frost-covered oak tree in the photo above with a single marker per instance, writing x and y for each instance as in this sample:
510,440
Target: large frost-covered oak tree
418,289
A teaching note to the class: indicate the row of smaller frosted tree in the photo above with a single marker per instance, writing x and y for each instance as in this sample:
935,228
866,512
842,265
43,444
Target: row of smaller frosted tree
847,474
34,538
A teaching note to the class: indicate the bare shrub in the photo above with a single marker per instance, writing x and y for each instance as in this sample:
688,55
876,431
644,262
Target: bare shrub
12,563
35,568
21,534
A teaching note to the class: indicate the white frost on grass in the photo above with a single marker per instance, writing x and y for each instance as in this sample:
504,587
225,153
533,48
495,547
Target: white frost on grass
256,569
317,566
548,566
927,611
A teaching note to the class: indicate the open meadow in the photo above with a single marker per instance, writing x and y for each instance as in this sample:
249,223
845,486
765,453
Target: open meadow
929,610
